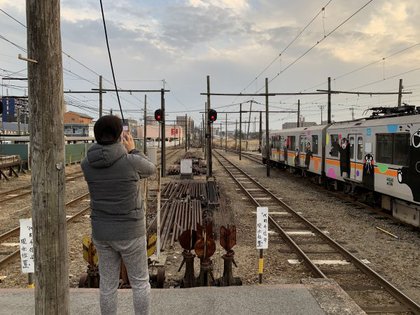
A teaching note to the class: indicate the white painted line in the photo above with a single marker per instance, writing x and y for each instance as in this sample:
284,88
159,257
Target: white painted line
321,262
10,244
365,261
12,195
254,189
263,198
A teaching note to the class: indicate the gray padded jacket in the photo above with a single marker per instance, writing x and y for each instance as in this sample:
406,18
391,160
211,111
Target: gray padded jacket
115,197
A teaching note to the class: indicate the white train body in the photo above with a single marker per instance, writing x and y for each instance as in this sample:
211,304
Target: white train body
380,155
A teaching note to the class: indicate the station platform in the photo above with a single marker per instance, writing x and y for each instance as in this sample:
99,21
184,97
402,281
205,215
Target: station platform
315,297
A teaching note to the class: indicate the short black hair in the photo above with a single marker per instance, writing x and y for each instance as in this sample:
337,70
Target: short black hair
108,129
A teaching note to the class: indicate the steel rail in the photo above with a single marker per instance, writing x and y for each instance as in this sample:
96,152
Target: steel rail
16,230
315,270
68,178
390,288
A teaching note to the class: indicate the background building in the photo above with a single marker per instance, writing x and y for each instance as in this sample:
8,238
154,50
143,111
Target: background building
78,125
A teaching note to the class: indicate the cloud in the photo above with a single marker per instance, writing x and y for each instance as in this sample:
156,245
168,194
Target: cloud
237,6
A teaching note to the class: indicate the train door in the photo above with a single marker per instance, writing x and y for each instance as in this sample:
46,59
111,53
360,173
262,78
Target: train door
356,156
302,150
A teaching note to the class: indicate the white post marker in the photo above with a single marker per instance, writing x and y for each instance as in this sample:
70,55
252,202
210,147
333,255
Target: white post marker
27,248
262,237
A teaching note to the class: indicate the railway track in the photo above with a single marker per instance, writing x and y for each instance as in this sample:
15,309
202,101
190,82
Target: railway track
27,189
9,240
323,256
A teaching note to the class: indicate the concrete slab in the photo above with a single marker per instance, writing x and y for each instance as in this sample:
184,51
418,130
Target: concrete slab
293,299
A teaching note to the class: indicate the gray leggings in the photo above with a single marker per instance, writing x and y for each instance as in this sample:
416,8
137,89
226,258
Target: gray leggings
133,253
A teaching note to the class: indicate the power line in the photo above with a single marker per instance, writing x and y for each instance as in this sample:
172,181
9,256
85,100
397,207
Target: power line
317,43
14,44
291,43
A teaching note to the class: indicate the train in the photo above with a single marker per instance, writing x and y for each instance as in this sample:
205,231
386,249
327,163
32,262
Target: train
376,158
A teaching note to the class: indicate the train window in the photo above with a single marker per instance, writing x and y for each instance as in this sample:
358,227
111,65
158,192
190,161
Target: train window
384,145
351,142
315,144
359,148
393,148
334,145
291,142
302,144
401,148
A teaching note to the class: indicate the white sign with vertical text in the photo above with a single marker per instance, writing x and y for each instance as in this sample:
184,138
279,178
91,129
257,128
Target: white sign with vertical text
26,246
262,227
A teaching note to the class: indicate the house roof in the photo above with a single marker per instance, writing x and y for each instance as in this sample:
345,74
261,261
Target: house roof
81,114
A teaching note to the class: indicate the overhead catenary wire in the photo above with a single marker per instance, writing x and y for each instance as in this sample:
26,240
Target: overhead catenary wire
67,71
290,44
317,43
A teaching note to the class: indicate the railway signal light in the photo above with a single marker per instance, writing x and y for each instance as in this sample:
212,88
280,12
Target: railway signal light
158,115
212,115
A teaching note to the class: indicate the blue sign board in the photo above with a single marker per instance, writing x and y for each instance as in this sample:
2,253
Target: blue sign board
8,114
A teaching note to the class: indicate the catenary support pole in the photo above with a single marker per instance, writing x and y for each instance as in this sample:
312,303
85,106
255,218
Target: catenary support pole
329,101
240,131
298,115
186,133
162,135
267,128
209,134
260,134
226,134
145,125
45,85
400,89
100,97
236,135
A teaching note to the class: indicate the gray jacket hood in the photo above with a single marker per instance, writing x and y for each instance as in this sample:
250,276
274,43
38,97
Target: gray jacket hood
101,156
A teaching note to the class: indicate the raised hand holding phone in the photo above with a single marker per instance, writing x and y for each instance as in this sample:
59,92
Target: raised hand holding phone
128,141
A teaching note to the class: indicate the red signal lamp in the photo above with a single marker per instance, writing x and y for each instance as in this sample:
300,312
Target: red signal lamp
212,115
158,115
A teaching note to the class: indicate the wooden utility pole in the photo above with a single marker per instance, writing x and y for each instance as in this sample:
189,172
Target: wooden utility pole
400,88
145,126
46,98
